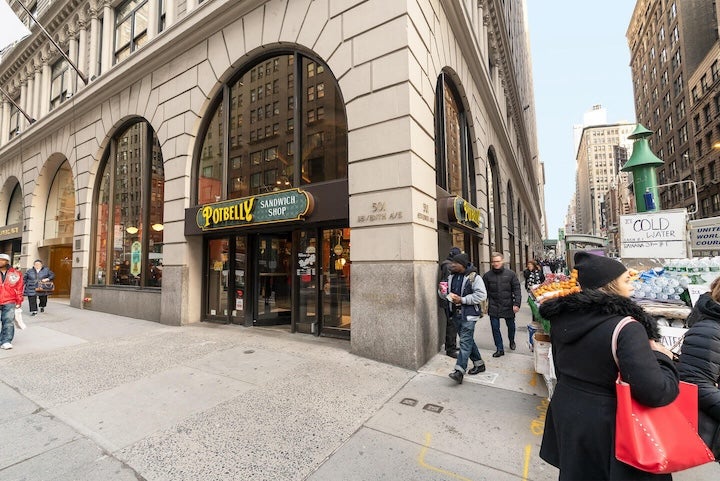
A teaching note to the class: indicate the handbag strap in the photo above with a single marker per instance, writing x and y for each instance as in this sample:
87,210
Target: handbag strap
616,333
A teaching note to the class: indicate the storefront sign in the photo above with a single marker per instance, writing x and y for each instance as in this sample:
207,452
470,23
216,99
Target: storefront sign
466,214
705,234
282,206
654,234
10,231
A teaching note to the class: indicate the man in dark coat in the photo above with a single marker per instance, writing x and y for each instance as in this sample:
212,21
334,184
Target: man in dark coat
504,298
451,348
700,363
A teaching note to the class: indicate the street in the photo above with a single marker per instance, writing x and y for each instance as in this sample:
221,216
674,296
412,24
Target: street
90,396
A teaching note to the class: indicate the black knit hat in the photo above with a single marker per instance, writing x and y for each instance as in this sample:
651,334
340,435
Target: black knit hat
454,251
596,271
461,259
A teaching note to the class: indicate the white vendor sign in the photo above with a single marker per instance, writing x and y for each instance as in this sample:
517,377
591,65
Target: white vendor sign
705,234
654,234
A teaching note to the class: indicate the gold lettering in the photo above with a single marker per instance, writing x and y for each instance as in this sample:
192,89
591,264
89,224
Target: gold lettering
248,207
207,214
472,214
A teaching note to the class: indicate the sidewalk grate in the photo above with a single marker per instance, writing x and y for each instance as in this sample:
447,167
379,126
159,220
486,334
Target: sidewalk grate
433,408
409,402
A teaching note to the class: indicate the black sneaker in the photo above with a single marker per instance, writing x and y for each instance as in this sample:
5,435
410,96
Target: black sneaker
477,368
512,345
456,376
42,309
498,353
452,353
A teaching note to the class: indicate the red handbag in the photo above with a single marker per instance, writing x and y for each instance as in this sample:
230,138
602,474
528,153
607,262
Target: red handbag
657,440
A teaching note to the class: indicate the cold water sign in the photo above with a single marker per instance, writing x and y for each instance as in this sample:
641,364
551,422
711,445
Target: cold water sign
660,234
282,206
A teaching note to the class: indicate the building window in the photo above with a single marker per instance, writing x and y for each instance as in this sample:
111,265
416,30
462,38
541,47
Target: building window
60,209
131,22
128,237
453,146
321,154
681,110
59,83
14,128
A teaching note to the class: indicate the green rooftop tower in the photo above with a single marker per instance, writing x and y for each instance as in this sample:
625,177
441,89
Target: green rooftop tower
642,164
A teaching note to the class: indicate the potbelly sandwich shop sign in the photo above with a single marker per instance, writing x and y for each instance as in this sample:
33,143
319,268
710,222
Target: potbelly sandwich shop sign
284,206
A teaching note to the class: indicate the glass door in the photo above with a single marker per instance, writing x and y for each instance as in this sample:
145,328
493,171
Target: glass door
238,301
216,302
336,282
307,282
274,287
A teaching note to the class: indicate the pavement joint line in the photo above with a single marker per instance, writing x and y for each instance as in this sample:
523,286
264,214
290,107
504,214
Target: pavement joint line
423,464
448,453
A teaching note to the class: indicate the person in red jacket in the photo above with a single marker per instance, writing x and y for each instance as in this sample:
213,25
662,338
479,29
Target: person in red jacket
11,297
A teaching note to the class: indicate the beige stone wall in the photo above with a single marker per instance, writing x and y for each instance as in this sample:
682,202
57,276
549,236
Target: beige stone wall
386,56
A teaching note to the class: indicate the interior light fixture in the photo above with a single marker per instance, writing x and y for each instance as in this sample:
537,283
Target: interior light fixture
157,227
132,230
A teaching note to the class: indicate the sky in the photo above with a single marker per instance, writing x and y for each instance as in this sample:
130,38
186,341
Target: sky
580,58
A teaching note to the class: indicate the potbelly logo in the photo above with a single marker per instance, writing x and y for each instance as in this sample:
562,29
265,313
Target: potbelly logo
281,206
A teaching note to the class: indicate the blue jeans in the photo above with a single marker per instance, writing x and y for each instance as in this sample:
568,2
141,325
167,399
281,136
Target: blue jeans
497,336
468,348
7,315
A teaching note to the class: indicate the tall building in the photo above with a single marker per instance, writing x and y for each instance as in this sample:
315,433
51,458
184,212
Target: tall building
597,171
673,47
292,163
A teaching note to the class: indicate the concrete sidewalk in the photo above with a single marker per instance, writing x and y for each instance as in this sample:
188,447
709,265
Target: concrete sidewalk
92,396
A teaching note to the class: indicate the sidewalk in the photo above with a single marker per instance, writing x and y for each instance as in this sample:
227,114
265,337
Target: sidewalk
92,396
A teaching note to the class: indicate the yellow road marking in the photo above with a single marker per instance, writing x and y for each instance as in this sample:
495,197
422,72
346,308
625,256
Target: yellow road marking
423,464
526,467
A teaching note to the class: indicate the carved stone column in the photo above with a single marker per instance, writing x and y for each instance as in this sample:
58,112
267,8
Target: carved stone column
93,55
46,79
107,37
37,63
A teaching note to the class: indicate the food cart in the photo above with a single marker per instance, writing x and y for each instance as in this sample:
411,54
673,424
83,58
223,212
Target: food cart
659,246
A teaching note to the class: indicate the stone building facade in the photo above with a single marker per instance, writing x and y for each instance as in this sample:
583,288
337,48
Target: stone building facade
300,163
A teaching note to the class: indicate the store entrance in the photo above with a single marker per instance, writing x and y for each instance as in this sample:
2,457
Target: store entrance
273,293
299,279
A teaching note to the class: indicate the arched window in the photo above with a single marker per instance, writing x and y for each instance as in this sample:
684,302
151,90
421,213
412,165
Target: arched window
128,241
455,166
494,202
286,127
60,210
15,208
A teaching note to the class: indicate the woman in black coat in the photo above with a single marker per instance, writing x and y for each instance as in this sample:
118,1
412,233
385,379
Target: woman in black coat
533,275
579,435
700,363
33,276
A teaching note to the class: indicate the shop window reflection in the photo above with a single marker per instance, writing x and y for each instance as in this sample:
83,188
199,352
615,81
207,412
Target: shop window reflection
336,278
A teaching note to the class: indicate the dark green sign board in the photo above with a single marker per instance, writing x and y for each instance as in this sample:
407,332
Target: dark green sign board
284,206
464,213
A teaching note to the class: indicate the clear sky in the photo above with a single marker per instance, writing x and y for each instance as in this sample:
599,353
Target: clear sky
580,59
